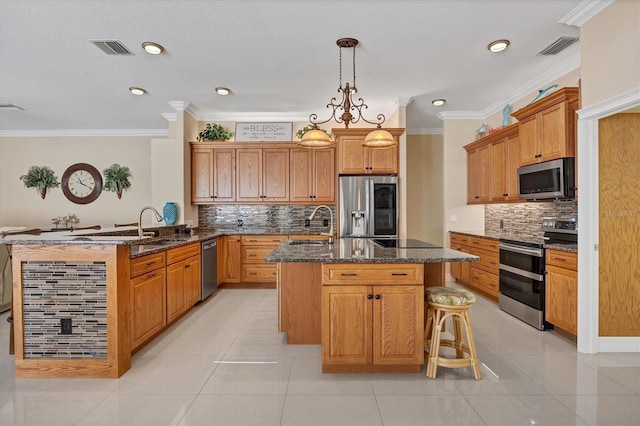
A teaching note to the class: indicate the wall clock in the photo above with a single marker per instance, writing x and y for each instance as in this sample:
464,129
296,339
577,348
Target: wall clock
81,183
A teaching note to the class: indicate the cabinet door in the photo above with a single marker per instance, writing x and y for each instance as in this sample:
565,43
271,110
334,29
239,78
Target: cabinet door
456,267
383,160
353,157
398,325
301,175
248,174
473,177
149,306
529,149
561,298
346,325
513,162
485,173
175,291
224,177
553,133
499,154
232,260
202,175
192,288
275,179
324,175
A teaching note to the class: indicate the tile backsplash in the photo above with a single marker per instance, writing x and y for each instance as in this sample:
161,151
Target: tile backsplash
526,218
277,218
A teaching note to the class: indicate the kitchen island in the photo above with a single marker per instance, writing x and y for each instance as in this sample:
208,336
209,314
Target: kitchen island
362,302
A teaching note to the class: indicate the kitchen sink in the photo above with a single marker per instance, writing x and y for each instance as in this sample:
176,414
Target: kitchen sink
308,243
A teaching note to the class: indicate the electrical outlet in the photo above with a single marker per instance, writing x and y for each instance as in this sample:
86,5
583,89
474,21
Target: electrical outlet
65,326
325,222
307,222
240,222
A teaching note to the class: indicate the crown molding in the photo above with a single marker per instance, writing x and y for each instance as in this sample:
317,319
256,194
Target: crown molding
255,116
583,12
187,107
85,133
425,131
170,116
461,115
178,105
403,102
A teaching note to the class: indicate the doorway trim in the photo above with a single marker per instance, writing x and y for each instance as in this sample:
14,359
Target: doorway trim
588,211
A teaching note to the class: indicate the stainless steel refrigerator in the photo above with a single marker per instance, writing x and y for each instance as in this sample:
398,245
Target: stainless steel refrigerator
368,206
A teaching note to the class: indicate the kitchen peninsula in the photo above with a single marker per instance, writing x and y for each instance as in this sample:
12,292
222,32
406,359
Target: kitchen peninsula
363,302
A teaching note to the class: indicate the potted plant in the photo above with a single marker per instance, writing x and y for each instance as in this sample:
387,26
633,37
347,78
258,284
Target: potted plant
214,132
40,178
116,179
300,133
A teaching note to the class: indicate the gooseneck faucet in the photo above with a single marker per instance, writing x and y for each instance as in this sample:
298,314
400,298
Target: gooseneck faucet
159,218
330,233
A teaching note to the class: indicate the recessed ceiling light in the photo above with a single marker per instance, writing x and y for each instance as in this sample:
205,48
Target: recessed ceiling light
153,48
222,91
438,102
498,45
137,90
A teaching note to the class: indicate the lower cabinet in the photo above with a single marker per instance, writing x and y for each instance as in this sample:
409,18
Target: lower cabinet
561,290
148,297
254,249
374,327
183,279
483,275
230,259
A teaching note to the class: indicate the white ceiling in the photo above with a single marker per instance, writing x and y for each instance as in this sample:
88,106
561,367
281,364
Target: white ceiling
279,58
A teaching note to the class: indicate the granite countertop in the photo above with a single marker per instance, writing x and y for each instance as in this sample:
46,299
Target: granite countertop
568,247
361,250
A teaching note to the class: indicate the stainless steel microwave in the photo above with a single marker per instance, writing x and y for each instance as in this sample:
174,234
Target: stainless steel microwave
549,179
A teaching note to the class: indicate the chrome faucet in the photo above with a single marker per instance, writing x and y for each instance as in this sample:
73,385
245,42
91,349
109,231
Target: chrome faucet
330,233
142,234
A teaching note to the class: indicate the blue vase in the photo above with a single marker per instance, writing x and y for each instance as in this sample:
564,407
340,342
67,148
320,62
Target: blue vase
170,213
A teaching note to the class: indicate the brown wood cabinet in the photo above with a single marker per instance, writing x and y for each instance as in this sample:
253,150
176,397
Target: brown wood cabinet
148,297
355,159
230,259
561,291
492,167
482,275
312,175
212,175
548,127
262,174
183,279
372,317
254,249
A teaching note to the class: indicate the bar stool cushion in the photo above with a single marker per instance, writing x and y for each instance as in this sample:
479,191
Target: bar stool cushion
449,296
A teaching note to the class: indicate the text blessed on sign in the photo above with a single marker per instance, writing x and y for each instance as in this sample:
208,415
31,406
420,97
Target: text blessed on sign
255,132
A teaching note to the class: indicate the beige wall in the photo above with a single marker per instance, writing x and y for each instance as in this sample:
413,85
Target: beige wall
610,52
22,206
424,185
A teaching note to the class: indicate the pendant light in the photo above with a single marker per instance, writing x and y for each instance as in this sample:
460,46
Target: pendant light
315,138
379,138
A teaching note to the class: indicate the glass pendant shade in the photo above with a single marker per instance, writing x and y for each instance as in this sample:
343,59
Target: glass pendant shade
379,138
315,138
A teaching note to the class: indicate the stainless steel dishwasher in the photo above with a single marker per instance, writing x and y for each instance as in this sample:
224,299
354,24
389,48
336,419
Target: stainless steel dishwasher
209,262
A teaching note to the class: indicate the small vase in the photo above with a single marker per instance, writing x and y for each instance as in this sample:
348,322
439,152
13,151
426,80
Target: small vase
170,213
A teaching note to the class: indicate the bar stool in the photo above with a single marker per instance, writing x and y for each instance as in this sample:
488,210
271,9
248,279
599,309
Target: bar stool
444,302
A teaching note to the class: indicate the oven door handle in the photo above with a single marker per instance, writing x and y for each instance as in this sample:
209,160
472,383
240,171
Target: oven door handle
522,250
522,273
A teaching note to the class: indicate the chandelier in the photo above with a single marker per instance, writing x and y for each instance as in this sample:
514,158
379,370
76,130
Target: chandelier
347,111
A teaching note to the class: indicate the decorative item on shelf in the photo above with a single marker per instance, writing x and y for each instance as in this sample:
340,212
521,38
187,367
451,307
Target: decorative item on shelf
505,115
214,132
482,131
41,178
314,137
351,110
116,179
68,220
170,213
543,92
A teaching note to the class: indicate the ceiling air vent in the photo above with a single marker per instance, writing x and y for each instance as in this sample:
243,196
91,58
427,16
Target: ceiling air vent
558,46
112,47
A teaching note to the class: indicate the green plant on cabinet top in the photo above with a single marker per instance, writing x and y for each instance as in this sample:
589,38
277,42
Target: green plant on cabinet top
214,132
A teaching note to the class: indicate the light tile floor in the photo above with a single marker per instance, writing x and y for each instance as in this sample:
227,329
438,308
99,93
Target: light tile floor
224,364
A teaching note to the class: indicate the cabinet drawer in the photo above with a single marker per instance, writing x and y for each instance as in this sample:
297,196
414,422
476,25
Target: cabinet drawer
489,261
387,273
259,273
562,259
255,254
486,244
460,239
144,264
181,253
485,281
273,240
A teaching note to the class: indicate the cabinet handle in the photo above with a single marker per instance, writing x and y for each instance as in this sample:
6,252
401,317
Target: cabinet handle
377,297
476,197
252,273
369,296
252,255
213,196
399,274
348,275
187,266
151,263
560,259
151,275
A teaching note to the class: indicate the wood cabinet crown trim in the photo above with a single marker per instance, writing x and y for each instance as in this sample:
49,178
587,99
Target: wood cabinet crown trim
506,132
569,94
364,131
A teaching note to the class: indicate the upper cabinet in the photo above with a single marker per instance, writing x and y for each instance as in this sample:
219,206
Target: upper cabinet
212,175
355,159
312,175
262,174
548,127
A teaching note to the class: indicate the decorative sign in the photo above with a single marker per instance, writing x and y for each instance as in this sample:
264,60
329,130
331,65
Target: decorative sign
268,132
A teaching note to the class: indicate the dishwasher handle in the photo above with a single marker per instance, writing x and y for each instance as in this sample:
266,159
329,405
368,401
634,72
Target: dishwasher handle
209,245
